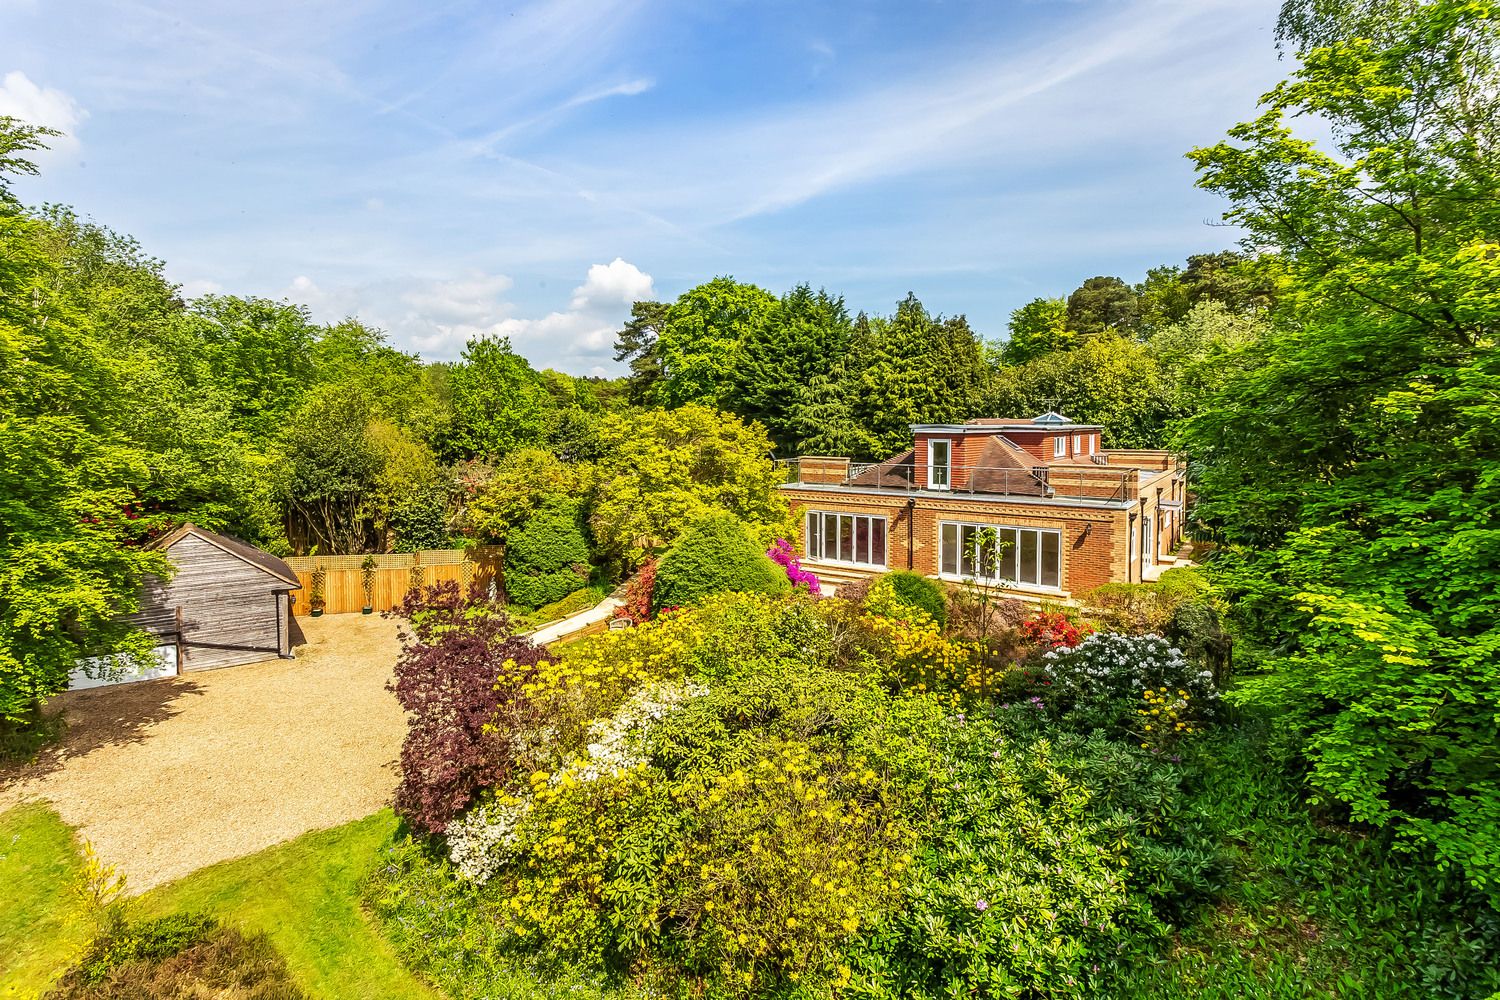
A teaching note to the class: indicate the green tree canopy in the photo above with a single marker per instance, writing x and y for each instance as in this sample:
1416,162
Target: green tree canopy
702,342
499,402
805,331
1037,328
911,368
69,568
1109,381
665,469
1103,305
1351,469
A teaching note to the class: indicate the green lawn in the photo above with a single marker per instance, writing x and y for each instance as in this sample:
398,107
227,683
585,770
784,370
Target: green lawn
40,927
304,894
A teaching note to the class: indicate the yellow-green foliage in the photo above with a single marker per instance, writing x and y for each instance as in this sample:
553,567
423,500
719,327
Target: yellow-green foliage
740,879
557,896
784,862
912,653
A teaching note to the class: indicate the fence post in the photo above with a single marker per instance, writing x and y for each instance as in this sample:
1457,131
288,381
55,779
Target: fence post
416,578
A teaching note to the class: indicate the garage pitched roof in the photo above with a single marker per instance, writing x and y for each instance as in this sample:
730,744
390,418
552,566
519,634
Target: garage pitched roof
245,552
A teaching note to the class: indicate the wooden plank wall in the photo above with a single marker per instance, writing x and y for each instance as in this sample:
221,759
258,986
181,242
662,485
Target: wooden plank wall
228,607
344,590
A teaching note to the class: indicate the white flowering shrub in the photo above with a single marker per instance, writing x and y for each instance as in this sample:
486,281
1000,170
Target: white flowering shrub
479,841
615,743
1104,681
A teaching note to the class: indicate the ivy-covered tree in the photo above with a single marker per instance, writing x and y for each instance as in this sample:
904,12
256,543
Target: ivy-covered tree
547,555
1350,471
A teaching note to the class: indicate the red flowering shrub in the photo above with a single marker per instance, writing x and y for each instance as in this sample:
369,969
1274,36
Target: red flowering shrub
1053,630
638,593
460,677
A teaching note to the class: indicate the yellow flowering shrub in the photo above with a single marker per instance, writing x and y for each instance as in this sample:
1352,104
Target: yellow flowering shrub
913,655
555,896
593,675
1165,718
738,880
782,863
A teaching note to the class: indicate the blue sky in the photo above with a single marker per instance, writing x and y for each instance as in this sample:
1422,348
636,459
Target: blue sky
452,169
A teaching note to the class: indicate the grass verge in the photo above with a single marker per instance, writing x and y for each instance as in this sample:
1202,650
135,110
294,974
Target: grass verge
42,930
305,894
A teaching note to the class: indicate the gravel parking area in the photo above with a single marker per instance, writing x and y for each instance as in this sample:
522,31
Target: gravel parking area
167,776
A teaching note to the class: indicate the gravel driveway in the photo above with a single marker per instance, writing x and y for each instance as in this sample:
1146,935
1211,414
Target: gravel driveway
167,776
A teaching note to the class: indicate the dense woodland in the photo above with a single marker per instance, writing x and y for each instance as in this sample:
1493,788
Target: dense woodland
1335,382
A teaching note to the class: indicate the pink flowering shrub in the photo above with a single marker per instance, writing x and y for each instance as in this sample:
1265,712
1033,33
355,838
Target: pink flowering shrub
782,553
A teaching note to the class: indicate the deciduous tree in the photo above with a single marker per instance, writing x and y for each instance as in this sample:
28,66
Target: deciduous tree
1351,471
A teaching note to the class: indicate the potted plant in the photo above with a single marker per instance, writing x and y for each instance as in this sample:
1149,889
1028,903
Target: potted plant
367,579
317,593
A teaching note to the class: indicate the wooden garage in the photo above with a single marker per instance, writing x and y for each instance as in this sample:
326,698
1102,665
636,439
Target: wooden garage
230,600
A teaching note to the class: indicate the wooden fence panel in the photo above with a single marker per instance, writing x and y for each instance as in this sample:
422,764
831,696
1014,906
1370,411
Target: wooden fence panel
344,591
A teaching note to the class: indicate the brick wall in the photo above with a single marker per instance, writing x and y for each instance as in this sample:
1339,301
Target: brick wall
1093,541
961,448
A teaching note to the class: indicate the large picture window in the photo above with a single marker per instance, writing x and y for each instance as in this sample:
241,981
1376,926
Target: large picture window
848,538
1029,557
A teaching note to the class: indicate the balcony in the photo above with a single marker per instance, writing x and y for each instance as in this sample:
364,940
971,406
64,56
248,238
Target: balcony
1091,481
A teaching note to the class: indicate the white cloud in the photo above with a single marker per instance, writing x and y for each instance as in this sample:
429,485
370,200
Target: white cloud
23,99
467,302
436,317
617,283
192,288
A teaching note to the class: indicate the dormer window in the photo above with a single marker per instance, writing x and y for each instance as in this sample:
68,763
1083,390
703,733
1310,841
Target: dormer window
939,463
1059,446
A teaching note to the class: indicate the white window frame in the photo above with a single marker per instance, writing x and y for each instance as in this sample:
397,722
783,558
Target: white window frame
1059,446
815,537
958,574
947,483
1077,443
1093,443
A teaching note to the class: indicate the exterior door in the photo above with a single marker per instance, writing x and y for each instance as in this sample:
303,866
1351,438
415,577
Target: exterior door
938,464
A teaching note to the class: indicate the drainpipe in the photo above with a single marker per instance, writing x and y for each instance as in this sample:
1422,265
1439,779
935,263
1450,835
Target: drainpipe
911,526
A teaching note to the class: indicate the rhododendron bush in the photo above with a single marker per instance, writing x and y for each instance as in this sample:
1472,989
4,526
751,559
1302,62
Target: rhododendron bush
1053,630
775,795
782,554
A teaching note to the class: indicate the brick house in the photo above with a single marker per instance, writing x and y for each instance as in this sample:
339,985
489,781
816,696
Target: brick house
1070,514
